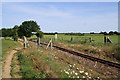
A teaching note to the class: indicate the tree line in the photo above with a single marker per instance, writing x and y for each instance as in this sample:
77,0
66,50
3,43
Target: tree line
82,34
25,29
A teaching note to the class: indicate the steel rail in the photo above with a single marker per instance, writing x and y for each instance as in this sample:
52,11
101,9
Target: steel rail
110,63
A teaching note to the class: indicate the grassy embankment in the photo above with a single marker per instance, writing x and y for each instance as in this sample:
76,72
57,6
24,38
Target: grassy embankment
7,45
39,62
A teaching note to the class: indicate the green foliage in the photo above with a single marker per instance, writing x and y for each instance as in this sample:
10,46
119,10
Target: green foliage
15,33
41,75
26,68
27,28
7,32
39,34
117,54
12,68
8,44
15,36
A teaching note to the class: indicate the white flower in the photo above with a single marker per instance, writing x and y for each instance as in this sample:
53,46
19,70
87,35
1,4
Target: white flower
78,77
77,68
68,69
70,72
98,77
89,77
67,72
83,76
70,65
81,71
73,71
86,73
69,76
74,64
76,73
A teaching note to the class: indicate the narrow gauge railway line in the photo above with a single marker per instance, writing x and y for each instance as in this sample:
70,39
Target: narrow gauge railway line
110,63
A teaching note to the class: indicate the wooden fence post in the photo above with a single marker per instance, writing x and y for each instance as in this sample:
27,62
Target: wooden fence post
90,39
71,39
38,41
50,43
108,40
105,39
25,42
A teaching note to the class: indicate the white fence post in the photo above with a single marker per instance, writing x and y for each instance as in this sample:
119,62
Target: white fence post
55,36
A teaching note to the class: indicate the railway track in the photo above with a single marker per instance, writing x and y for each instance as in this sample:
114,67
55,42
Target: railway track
110,63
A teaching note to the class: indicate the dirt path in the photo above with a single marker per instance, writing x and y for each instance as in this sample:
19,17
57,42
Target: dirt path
7,67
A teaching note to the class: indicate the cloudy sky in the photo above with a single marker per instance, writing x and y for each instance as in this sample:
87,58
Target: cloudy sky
63,16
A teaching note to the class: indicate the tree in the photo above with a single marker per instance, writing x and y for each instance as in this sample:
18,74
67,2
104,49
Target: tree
39,34
91,32
111,33
15,33
27,28
6,32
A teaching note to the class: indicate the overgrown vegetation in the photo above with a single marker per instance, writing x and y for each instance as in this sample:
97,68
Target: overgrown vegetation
26,67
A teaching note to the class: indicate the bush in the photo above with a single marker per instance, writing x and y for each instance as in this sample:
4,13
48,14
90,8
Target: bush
39,34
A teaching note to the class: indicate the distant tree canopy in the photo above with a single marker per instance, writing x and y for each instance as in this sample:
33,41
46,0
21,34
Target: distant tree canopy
25,29
7,32
15,33
110,33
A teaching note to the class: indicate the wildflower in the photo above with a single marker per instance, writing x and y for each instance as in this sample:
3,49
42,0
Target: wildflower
66,72
83,76
89,77
98,77
76,73
81,71
78,77
69,76
70,65
86,73
74,64
68,69
77,68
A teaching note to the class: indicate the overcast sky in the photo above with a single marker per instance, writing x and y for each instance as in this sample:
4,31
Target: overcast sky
63,16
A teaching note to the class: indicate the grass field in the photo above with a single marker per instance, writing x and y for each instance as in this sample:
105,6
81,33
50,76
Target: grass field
7,45
98,38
